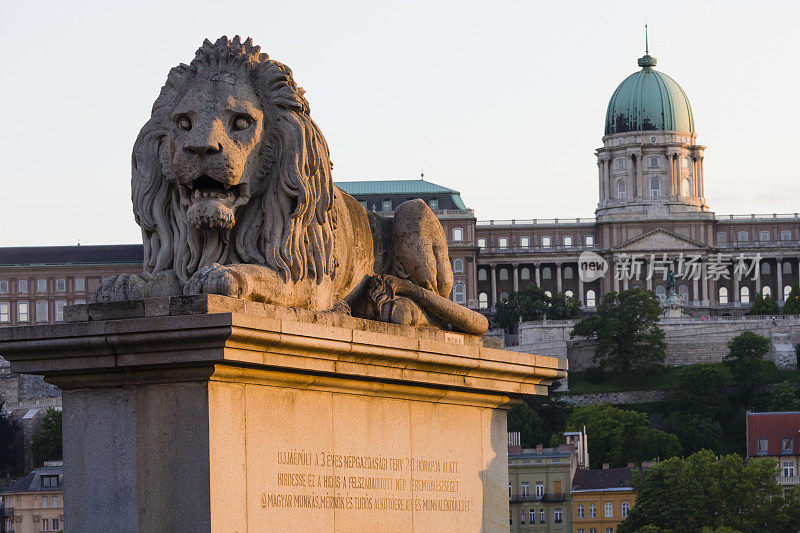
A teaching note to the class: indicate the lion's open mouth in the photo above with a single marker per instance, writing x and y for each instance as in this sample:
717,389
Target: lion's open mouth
205,188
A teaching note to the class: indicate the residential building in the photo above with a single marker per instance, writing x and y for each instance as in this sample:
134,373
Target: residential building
601,499
539,483
776,435
35,503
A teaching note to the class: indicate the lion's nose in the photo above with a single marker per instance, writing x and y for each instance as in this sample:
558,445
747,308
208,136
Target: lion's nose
203,149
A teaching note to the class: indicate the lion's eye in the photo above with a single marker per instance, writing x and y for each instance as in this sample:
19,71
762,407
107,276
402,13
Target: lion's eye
241,123
184,123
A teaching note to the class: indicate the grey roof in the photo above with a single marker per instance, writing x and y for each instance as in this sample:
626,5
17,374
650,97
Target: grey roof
392,187
33,481
74,255
611,478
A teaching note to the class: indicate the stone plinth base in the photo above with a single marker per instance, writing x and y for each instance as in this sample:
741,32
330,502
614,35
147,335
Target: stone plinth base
213,414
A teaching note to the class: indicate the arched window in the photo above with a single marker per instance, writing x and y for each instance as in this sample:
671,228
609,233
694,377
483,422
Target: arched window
481,274
525,273
622,189
786,235
568,273
547,273
787,267
548,294
458,265
745,295
459,293
569,293
763,236
626,507
661,292
683,290
765,268
483,300
686,187
502,242
786,291
524,242
591,299
503,296
766,291
723,295
655,187
609,509
742,236
482,242
503,274
545,242
44,502
567,240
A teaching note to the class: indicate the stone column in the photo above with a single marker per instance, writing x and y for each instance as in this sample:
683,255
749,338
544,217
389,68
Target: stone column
558,277
779,268
601,178
695,292
206,413
537,276
705,283
516,277
758,282
646,268
580,288
494,285
736,296
607,182
671,165
625,282
699,178
631,161
612,271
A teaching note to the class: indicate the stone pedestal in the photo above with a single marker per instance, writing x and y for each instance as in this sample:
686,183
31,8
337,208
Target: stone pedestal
208,413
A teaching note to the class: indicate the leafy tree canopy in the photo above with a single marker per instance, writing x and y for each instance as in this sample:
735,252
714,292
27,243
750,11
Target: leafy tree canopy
792,305
617,436
764,305
9,445
626,327
744,359
532,303
46,446
698,390
784,397
700,492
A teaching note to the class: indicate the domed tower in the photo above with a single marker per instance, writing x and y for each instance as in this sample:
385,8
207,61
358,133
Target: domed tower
650,165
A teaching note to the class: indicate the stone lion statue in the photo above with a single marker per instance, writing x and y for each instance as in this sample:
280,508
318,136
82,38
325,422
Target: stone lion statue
232,187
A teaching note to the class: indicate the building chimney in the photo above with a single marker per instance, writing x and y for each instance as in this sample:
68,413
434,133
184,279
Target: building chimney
605,466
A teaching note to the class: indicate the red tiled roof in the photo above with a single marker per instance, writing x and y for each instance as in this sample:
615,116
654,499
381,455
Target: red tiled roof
773,427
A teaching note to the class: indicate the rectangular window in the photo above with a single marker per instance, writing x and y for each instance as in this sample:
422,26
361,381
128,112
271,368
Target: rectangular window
502,242
609,530
722,236
788,469
542,516
539,489
557,488
60,304
41,312
762,446
41,285
49,481
653,161
580,530
61,285
786,235
458,234
558,515
55,524
620,164
567,240
386,205
524,242
742,236
787,445
23,312
589,240
609,510
532,516
525,490
546,242
5,312
45,524
592,510
44,502
685,162
3,286
22,286
579,511
509,492
522,516
763,236
434,203
80,284
481,243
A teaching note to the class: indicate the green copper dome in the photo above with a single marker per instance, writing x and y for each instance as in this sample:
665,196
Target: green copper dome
649,100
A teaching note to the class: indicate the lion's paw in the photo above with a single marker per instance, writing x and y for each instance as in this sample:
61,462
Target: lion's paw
121,287
218,279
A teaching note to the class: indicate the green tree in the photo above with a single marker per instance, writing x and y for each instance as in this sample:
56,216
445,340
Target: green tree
745,358
538,418
617,436
626,327
764,305
696,432
532,303
9,442
792,305
698,390
700,491
563,307
46,446
784,397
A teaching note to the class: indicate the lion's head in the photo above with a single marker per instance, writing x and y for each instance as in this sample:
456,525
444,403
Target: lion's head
230,168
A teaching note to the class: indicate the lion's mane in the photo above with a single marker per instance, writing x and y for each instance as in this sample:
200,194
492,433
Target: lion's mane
288,222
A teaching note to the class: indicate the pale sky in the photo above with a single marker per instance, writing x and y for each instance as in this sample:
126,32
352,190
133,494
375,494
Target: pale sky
503,101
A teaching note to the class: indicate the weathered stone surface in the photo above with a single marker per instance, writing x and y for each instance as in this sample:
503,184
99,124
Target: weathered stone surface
231,202
226,415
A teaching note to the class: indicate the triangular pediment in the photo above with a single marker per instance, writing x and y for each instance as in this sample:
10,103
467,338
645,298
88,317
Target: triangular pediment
659,239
